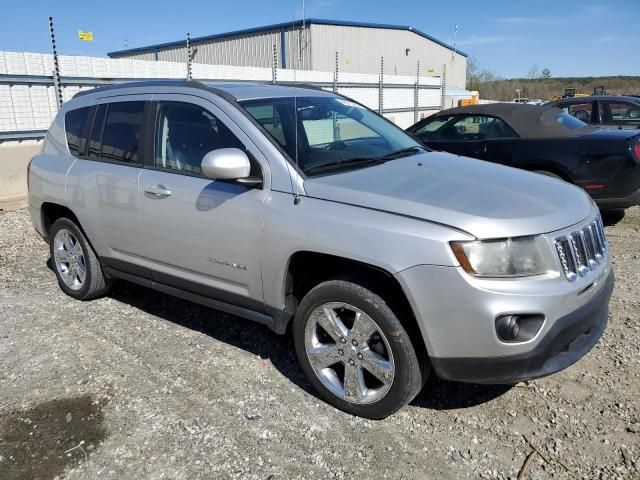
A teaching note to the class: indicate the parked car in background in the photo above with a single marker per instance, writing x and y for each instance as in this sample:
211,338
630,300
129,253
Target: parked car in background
299,207
603,111
520,100
606,163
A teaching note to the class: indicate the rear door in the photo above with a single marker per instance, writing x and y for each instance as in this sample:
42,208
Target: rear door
201,235
102,186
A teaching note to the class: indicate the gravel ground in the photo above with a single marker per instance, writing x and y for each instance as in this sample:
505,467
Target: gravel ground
141,385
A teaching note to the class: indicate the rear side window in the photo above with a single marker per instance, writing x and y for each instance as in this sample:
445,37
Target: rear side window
121,133
75,123
95,139
619,113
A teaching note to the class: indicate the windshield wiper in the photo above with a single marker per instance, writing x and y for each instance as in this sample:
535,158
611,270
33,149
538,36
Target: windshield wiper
350,162
403,152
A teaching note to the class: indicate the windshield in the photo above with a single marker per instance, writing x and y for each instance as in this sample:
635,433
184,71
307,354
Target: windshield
333,134
569,121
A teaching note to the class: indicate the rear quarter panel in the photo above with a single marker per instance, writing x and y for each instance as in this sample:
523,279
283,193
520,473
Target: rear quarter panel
48,173
584,161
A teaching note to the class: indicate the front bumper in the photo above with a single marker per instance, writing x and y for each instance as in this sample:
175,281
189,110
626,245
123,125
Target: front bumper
457,316
570,338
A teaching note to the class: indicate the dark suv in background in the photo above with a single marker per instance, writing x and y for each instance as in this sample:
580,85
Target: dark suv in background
603,110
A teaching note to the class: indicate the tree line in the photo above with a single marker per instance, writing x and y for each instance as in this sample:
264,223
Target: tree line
540,83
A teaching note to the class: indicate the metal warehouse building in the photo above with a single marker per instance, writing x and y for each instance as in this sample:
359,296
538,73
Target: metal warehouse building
312,45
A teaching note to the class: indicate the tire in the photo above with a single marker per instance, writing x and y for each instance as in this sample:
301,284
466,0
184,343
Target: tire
387,351
72,255
582,115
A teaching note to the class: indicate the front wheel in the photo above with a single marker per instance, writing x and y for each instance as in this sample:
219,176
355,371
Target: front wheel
355,351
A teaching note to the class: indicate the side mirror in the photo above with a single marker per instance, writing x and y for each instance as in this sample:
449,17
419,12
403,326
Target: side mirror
226,164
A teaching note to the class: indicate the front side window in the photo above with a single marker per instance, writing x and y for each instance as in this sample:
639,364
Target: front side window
185,133
581,111
75,122
472,127
569,121
121,134
432,125
619,113
329,134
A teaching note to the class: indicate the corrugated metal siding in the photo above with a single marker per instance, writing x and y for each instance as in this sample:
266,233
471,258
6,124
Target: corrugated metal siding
295,42
254,50
360,49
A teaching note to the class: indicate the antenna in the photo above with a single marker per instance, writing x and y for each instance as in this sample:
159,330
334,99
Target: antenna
296,194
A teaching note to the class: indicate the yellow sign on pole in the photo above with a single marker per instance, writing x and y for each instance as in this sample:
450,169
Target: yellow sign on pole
86,36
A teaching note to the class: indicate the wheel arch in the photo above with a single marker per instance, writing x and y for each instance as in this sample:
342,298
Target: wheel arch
550,167
306,269
50,212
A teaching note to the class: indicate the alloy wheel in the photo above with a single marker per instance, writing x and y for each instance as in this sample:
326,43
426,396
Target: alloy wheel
349,353
69,259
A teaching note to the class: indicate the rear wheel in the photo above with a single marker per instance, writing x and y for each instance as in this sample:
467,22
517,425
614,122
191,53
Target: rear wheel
76,264
355,351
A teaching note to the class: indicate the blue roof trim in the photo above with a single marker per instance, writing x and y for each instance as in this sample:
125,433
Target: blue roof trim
283,26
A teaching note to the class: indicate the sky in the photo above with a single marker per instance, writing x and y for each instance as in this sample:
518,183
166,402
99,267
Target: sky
569,37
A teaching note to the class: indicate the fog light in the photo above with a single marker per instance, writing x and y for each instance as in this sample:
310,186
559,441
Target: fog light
508,327
518,328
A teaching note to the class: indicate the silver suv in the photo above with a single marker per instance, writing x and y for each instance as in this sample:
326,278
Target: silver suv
306,212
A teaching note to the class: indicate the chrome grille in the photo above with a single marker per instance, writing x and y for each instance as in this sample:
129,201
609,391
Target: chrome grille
582,250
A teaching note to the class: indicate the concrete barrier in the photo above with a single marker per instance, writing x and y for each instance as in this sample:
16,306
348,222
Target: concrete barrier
14,158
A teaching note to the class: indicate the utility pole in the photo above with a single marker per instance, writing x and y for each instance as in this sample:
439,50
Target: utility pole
56,65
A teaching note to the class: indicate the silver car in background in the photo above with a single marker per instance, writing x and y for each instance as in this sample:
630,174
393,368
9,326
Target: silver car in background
305,211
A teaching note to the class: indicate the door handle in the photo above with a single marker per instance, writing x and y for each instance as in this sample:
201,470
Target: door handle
159,191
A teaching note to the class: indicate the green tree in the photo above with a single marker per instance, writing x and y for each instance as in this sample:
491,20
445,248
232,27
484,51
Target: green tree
546,73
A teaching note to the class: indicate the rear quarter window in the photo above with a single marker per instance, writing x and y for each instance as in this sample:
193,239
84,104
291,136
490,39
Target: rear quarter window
75,126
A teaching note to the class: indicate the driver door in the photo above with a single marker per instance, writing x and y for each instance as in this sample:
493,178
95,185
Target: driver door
200,235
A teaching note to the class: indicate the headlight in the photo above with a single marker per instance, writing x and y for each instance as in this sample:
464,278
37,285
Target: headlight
509,257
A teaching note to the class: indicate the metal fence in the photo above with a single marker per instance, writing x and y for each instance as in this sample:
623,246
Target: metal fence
29,87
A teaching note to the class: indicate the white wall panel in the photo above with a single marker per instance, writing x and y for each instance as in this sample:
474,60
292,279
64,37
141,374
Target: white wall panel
32,107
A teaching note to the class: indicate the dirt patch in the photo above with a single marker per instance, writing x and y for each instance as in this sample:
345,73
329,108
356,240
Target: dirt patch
41,442
194,393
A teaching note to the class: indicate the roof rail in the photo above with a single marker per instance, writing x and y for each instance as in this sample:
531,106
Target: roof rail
145,83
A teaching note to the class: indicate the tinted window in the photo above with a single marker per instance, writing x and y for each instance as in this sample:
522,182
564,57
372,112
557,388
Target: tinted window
432,125
499,129
329,134
121,136
75,122
581,111
268,117
95,139
186,133
569,121
619,113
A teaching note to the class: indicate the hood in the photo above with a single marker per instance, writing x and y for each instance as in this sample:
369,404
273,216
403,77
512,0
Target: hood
481,198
